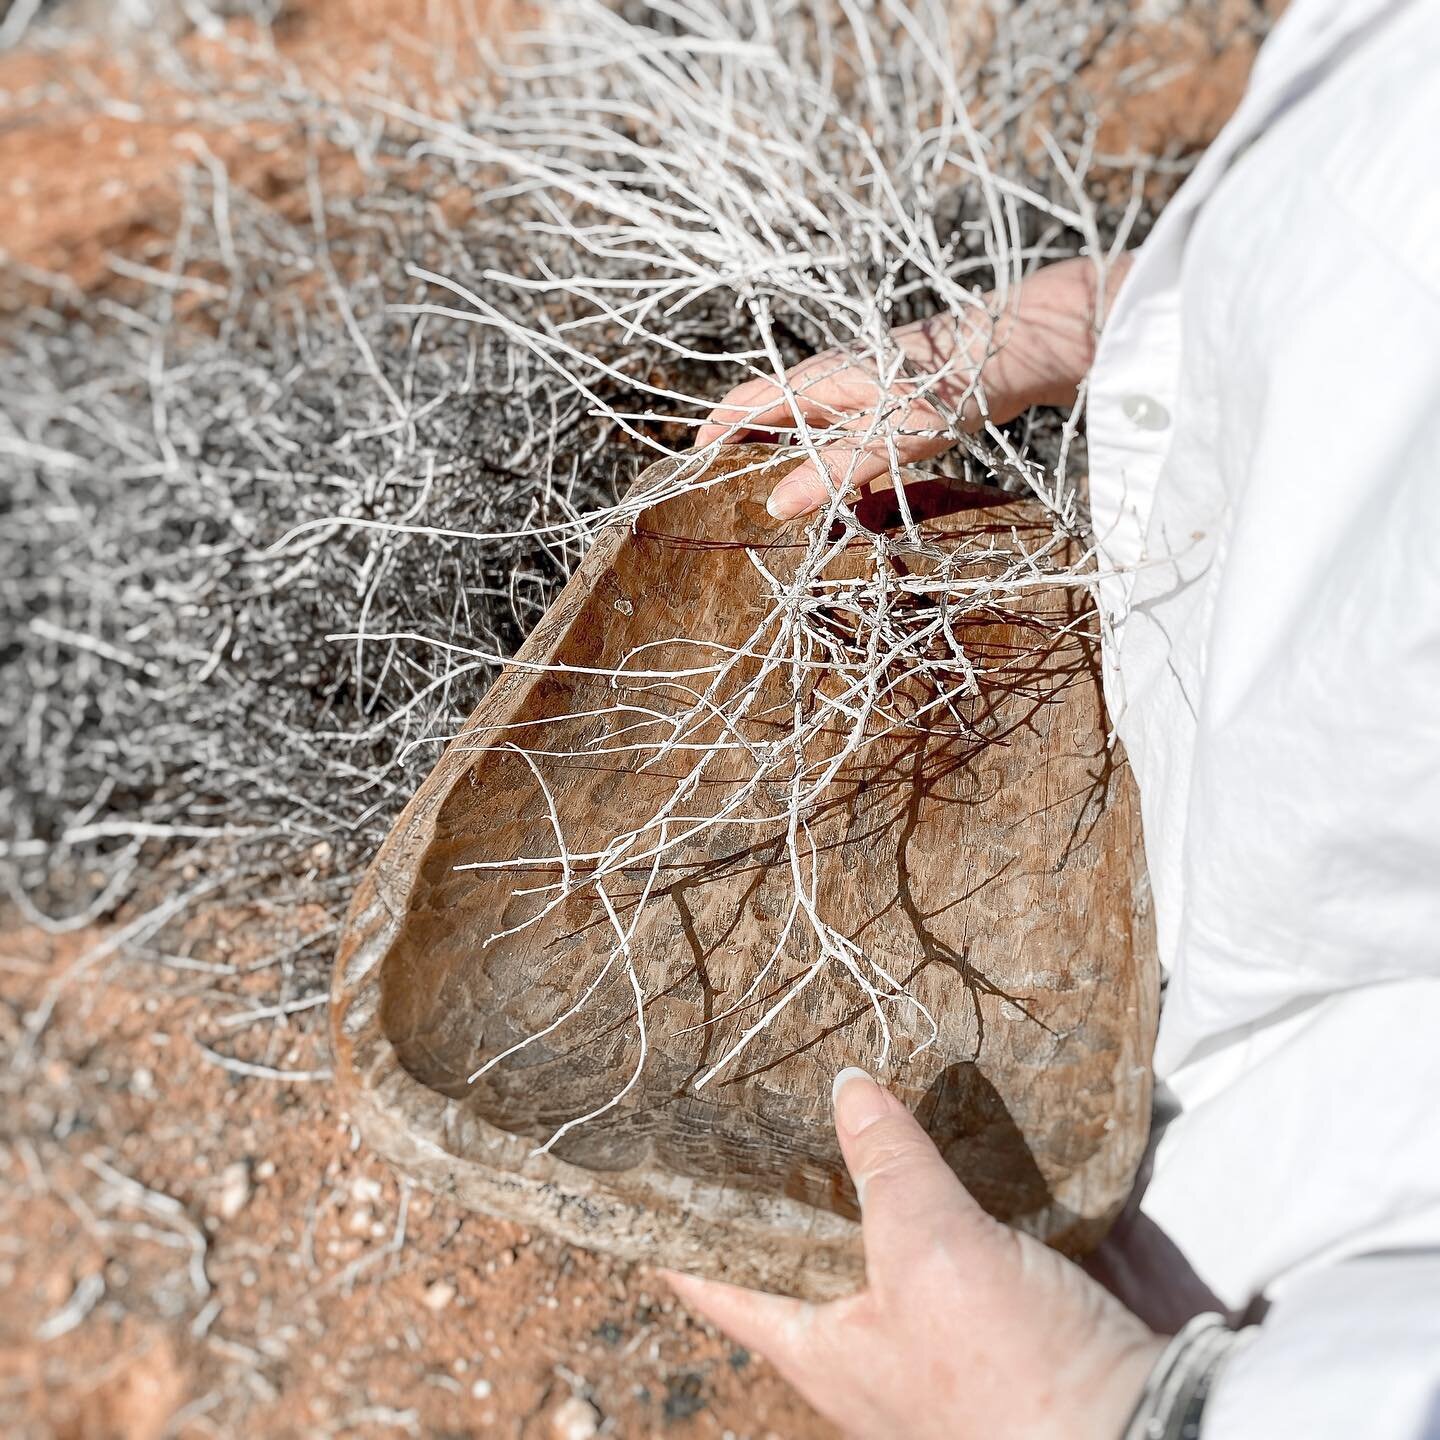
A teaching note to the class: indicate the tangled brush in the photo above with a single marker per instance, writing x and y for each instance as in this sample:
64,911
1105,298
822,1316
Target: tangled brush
52,22
274,518
819,194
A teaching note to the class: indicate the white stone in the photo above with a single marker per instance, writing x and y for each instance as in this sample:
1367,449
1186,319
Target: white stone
234,1189
365,1190
438,1295
575,1419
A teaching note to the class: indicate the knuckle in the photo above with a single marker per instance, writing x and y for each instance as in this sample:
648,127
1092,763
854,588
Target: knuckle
887,1151
748,394
823,360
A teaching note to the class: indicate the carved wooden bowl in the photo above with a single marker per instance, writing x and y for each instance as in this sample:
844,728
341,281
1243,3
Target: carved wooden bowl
993,866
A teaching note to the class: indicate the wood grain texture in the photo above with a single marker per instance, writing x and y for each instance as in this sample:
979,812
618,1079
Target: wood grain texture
996,869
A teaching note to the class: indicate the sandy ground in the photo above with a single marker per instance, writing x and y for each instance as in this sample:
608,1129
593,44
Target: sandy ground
190,1251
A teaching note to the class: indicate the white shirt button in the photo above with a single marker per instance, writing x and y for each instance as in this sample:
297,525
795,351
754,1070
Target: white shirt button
1144,412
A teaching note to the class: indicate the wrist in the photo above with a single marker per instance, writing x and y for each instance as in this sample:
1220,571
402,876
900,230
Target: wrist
1172,1397
1046,341
1117,1393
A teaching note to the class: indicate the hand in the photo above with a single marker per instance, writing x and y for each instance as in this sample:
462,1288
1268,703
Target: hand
959,374
966,1330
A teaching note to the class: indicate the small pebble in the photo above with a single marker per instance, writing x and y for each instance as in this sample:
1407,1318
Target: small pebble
363,1189
234,1189
439,1295
480,1389
575,1419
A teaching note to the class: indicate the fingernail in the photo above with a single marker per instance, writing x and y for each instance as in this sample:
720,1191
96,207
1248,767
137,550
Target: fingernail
859,1102
787,501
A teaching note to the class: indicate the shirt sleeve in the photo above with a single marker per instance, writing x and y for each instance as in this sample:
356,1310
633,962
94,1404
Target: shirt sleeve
1350,1352
1283,726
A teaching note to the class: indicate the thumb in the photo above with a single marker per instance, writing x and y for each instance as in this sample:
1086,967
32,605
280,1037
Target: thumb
908,1194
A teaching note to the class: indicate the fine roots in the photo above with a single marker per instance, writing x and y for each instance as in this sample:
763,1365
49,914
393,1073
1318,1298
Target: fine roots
280,500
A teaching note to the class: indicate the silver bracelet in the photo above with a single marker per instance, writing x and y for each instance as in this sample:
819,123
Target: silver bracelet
1173,1401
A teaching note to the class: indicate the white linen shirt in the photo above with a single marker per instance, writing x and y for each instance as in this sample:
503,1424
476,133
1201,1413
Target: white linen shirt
1264,431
